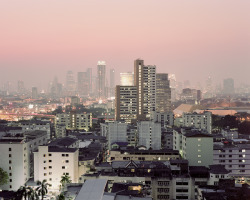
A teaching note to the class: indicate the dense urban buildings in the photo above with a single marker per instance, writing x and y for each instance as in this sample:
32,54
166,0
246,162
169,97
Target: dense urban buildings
150,137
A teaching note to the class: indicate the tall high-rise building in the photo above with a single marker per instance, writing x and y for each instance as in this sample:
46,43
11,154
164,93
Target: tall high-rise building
145,82
34,93
89,80
82,85
101,80
126,103
127,79
20,87
228,86
70,83
163,93
112,83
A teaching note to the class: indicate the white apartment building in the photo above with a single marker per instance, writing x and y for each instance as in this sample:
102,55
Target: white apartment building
16,157
114,132
200,121
149,134
33,125
73,121
194,146
166,119
51,163
235,158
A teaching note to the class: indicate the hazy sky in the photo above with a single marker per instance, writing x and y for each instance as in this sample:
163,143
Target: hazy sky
193,39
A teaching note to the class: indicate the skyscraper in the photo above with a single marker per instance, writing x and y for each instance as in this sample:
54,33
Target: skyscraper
82,85
112,83
145,82
70,83
34,93
20,87
126,103
89,80
163,93
228,86
101,80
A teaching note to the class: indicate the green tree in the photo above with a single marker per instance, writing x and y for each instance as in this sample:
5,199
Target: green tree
42,188
244,128
64,180
60,197
4,178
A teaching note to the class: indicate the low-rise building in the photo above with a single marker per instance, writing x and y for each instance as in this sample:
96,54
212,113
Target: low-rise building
235,158
52,162
198,120
143,155
195,146
16,157
73,121
149,134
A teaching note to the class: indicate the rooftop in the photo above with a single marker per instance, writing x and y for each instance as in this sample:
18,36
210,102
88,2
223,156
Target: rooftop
218,169
63,142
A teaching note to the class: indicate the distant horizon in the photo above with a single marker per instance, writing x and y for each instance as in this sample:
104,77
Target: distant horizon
191,39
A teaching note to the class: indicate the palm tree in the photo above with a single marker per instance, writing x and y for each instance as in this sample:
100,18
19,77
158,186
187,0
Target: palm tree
42,188
65,179
22,192
32,194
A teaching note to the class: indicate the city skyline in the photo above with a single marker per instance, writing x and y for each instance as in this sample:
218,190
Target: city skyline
185,39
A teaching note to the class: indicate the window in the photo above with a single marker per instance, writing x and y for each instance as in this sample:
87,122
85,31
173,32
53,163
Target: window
50,154
44,161
67,161
216,176
67,155
63,155
230,156
50,167
10,186
50,160
10,174
199,161
50,173
10,168
45,174
50,179
44,155
10,149
199,156
10,180
10,162
45,168
9,155
63,167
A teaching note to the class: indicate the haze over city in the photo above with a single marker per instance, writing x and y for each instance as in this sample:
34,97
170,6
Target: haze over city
191,39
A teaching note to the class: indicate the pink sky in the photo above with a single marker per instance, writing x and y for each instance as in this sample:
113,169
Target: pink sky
193,39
